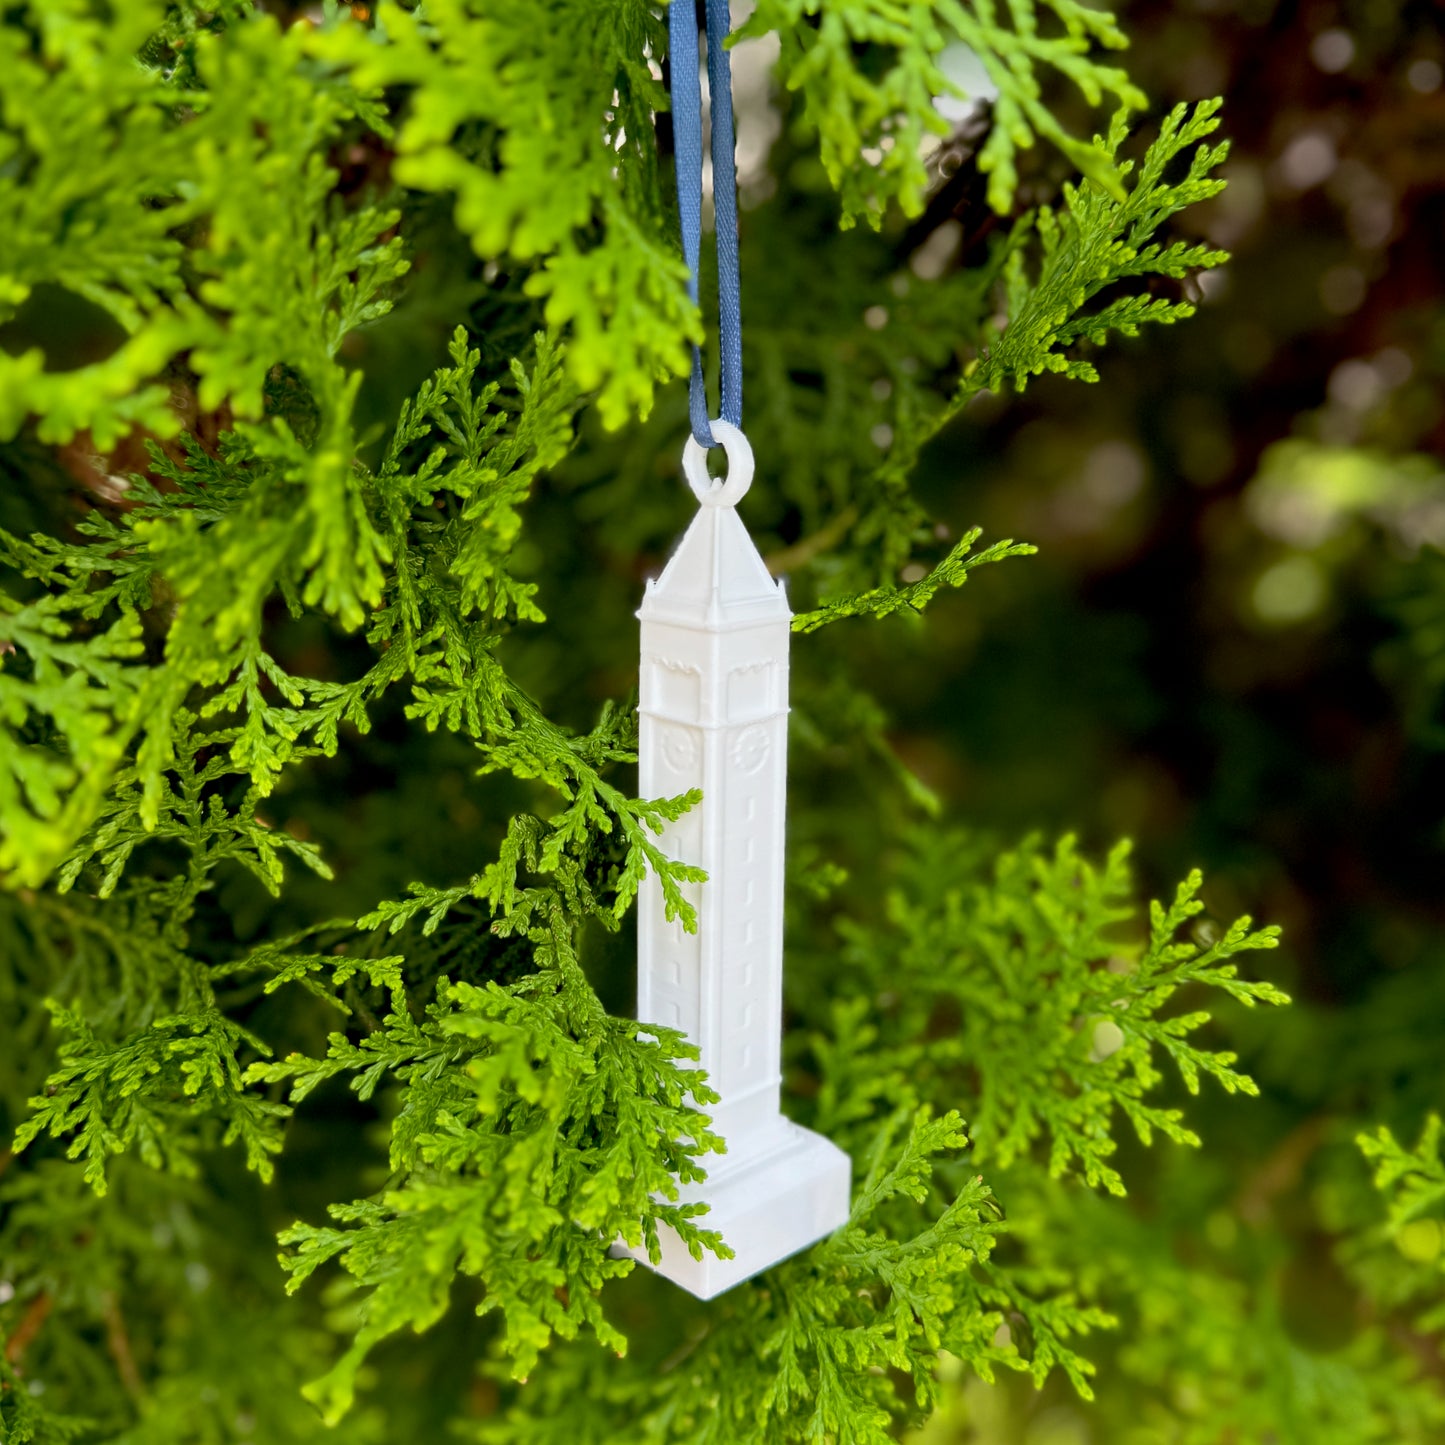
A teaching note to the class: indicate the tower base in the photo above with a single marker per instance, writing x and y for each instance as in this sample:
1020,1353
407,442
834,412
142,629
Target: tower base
767,1204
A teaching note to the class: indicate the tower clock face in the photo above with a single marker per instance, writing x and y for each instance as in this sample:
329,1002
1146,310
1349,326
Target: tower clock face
751,748
679,747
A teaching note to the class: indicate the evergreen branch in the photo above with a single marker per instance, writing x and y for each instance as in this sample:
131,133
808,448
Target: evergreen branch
808,1351
1413,1180
24,1418
952,571
1101,239
1030,950
593,245
68,707
880,346
137,1093
533,1132
869,74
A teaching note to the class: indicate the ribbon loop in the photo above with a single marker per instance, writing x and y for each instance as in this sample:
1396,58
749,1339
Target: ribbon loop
687,132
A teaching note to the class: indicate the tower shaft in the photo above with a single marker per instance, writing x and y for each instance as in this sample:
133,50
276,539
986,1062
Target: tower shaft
714,709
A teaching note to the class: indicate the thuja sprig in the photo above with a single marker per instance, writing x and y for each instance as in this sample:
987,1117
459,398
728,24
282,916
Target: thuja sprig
1098,240
952,571
1032,940
869,75
534,1131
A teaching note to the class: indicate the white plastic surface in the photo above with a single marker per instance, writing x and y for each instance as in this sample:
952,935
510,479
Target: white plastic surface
766,1208
714,715
720,491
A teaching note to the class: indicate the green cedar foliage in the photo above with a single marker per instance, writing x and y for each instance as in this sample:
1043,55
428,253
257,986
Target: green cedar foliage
265,974
890,109
1413,1184
952,571
1098,241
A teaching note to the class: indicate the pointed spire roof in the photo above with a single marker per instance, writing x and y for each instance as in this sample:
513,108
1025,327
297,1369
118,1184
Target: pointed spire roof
715,578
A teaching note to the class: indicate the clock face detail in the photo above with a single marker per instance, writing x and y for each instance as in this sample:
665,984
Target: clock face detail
751,748
679,747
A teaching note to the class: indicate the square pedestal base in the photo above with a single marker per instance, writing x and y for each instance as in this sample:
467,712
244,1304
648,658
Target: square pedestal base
766,1206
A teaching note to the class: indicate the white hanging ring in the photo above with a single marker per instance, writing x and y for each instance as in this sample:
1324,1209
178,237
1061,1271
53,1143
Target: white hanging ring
721,491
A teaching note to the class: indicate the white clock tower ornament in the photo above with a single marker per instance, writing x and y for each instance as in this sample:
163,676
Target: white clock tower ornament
714,715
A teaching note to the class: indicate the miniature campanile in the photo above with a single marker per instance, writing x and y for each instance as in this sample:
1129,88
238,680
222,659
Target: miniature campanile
714,715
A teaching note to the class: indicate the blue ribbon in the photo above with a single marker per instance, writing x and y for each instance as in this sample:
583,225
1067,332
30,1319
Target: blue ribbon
687,131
